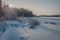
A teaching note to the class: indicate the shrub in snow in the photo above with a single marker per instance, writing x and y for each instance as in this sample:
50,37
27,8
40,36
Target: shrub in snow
52,23
33,23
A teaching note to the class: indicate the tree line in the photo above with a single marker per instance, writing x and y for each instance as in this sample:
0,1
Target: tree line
19,12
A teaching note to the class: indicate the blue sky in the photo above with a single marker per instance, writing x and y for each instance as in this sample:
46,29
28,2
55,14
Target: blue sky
39,7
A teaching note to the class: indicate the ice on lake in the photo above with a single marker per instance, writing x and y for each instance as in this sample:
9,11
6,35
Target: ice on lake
48,29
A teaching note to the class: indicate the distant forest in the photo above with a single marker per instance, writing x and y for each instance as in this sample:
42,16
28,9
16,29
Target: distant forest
19,12
49,16
7,11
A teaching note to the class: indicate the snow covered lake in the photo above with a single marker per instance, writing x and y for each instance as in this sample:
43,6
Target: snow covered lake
48,29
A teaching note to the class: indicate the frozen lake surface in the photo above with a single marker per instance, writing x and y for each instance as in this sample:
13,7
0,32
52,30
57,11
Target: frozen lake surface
48,29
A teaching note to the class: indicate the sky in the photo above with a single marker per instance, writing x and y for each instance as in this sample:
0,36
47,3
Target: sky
39,7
